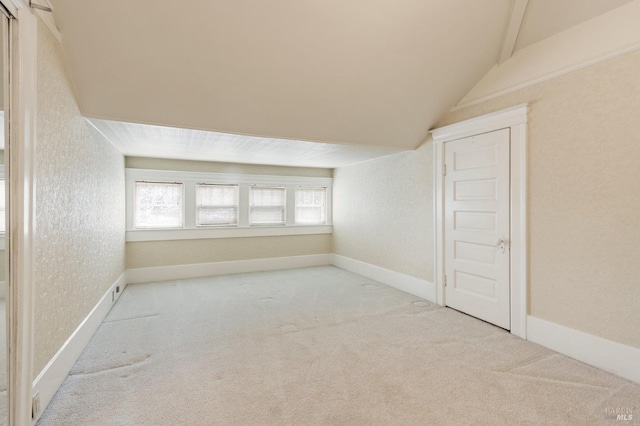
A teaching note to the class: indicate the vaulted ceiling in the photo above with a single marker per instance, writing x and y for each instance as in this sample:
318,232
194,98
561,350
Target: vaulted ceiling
375,74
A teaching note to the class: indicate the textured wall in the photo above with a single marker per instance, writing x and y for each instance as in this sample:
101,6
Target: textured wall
383,214
2,252
213,167
584,196
3,270
182,252
79,208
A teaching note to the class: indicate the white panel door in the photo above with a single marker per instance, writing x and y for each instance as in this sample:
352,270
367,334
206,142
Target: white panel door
477,226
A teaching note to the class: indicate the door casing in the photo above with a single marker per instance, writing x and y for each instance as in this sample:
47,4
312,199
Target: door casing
514,118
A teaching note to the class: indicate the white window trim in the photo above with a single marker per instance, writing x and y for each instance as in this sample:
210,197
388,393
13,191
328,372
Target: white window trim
133,207
326,201
243,229
286,205
236,206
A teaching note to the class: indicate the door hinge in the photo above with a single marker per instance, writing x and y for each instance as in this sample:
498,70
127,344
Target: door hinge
444,170
445,280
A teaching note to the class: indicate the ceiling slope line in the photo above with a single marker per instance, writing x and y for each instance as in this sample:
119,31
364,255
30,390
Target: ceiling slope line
101,133
515,23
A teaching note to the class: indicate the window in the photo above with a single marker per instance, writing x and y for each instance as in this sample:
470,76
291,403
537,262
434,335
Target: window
311,206
165,205
158,205
216,205
267,205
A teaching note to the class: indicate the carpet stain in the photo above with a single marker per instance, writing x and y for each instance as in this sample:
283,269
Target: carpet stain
136,361
564,382
132,318
289,328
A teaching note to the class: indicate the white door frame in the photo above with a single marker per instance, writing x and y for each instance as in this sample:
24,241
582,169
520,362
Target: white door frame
514,118
20,239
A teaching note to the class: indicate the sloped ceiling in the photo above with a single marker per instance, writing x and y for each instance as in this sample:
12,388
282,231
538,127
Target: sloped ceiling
363,72
270,81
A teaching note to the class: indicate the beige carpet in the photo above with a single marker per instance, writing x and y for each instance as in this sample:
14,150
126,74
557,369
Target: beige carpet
318,346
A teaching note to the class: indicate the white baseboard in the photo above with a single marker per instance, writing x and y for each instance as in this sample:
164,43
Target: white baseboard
406,283
177,272
616,358
610,356
54,373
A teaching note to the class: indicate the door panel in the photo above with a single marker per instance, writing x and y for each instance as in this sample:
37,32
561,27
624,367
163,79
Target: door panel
476,219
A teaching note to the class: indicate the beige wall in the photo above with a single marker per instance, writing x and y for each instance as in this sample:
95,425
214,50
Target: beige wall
584,196
182,252
382,212
80,208
213,167
3,271
3,278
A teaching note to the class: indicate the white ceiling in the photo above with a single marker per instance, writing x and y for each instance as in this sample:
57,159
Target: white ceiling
144,140
319,83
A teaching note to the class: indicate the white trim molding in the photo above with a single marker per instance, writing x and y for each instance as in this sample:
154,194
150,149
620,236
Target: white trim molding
412,285
198,270
416,286
230,178
55,372
225,232
515,23
508,117
596,40
616,358
21,149
514,118
14,5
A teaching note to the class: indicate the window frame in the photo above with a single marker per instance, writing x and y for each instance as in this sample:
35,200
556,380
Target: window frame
237,206
135,204
312,188
190,180
284,207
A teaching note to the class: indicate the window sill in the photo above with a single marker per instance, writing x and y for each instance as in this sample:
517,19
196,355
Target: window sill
238,232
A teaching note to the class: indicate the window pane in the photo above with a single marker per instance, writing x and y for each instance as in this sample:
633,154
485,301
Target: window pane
267,205
311,206
158,205
216,205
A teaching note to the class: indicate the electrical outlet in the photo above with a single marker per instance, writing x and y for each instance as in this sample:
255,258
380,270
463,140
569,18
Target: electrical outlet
35,405
117,289
113,296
